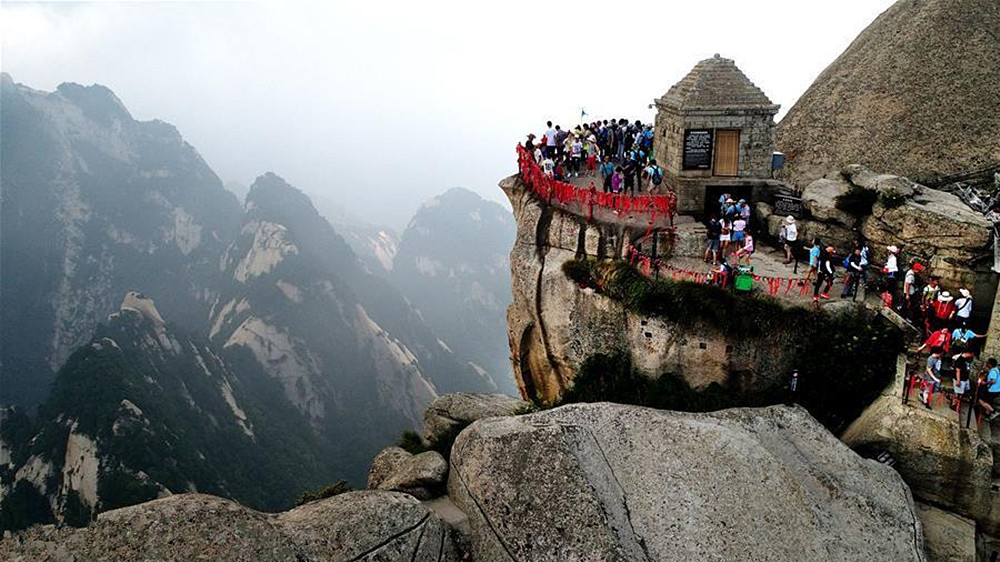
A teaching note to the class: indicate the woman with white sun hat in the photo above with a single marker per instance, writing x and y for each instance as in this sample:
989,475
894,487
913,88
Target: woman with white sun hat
963,307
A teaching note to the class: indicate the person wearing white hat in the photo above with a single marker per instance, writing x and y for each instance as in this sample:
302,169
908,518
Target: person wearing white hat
891,271
790,234
940,314
963,307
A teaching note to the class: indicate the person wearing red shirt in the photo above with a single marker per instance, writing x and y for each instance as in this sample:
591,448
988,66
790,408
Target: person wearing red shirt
942,311
940,338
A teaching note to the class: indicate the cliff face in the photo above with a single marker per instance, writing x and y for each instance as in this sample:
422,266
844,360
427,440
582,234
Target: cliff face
95,204
914,94
145,410
310,358
554,325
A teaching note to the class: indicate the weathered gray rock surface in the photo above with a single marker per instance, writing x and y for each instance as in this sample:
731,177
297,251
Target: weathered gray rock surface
820,199
356,526
944,463
422,476
612,482
947,537
385,464
906,97
936,226
450,414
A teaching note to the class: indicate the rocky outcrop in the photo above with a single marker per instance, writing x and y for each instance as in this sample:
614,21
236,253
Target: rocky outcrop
936,226
554,325
385,464
945,464
356,526
947,537
422,476
906,97
611,482
448,415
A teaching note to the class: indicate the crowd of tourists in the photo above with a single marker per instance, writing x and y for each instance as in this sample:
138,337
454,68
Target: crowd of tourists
729,236
618,152
951,343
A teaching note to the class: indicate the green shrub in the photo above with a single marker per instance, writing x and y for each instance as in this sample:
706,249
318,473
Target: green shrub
891,199
579,271
528,408
411,442
335,489
684,302
857,201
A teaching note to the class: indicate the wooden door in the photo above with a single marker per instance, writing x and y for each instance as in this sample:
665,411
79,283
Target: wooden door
727,153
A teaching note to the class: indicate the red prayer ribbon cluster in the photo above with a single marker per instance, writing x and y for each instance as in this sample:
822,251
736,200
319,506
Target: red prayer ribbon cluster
565,193
774,284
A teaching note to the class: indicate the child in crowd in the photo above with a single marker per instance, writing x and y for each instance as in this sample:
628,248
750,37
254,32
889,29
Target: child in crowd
549,167
616,180
591,156
747,250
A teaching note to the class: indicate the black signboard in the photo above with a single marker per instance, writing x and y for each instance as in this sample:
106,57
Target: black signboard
785,205
698,149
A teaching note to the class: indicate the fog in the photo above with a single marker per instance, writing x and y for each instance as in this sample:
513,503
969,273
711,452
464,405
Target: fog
381,105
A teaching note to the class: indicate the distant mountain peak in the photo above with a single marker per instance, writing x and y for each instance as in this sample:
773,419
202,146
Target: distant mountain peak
96,101
137,302
272,193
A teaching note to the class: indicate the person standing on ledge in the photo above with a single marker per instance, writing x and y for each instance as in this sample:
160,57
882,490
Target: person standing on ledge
813,262
891,271
607,169
992,391
825,274
653,174
963,308
550,141
933,376
714,230
791,237
854,271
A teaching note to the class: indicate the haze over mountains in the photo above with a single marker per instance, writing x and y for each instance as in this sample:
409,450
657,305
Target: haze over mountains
175,339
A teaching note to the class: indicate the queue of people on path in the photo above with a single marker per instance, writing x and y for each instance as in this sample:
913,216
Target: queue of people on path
618,152
949,340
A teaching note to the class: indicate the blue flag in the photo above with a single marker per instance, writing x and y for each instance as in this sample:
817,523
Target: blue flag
583,113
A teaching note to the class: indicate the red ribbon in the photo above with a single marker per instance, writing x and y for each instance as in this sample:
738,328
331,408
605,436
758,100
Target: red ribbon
550,189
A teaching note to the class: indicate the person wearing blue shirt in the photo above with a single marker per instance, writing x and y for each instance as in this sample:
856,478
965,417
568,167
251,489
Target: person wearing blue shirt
813,262
992,392
964,338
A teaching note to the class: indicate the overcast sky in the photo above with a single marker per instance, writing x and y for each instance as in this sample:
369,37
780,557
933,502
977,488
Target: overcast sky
381,105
